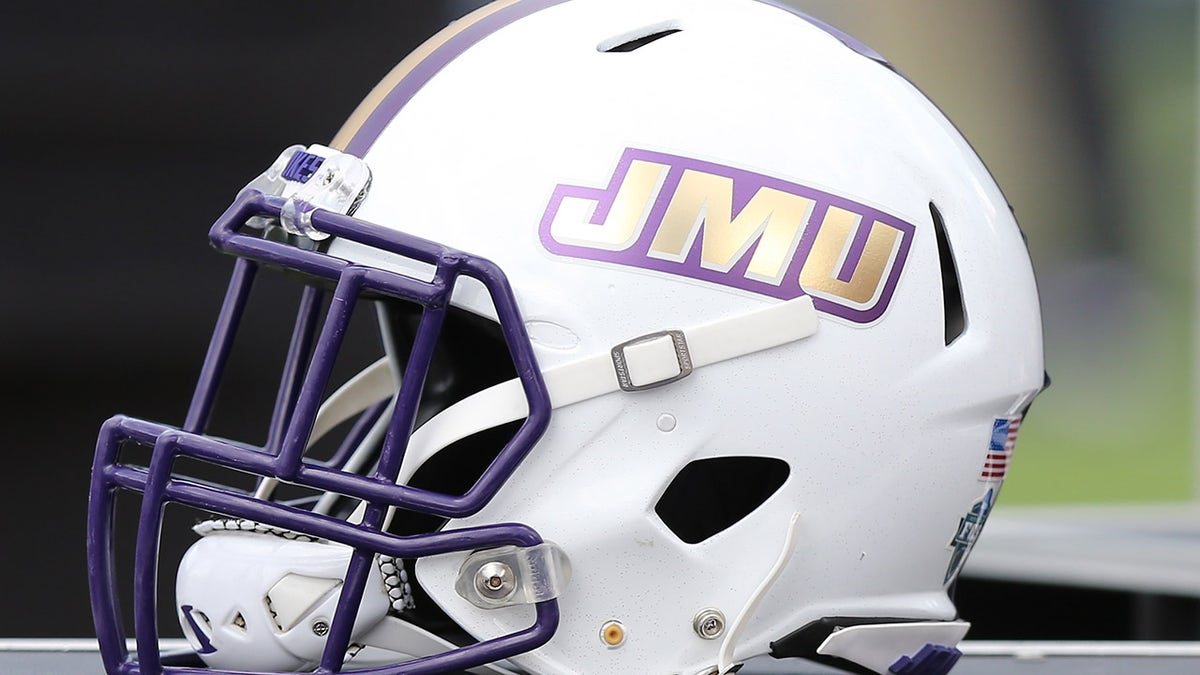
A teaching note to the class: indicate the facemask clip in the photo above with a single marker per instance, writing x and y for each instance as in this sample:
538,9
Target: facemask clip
314,178
509,575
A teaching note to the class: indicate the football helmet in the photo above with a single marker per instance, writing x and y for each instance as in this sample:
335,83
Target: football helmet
706,336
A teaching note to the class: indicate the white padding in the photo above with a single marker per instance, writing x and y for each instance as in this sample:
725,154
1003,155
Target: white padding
652,361
878,646
296,595
372,385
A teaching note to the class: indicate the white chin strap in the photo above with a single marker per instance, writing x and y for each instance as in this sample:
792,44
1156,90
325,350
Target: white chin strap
642,363
645,362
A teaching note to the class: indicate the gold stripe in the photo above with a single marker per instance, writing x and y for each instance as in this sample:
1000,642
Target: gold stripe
402,70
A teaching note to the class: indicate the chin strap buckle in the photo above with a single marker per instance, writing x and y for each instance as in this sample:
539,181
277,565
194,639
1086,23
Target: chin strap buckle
652,360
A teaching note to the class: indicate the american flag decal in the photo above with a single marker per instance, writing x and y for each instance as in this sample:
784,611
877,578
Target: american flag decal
1000,449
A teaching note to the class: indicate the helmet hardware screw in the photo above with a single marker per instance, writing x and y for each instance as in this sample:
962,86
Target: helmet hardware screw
709,623
495,581
320,628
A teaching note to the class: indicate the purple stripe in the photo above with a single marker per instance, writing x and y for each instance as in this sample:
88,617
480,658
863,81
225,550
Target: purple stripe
410,84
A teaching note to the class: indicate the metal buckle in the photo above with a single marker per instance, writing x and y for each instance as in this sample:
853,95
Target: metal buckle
682,355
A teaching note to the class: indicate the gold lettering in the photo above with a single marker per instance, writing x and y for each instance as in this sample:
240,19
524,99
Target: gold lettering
820,272
625,219
773,218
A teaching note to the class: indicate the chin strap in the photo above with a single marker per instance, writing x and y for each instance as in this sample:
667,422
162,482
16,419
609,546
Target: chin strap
645,362
642,363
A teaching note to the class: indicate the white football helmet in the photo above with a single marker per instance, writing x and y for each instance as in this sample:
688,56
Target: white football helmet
708,337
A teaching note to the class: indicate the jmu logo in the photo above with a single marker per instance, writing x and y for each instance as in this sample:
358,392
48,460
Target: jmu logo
736,228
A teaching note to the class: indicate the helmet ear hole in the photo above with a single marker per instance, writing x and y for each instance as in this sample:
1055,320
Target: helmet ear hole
708,496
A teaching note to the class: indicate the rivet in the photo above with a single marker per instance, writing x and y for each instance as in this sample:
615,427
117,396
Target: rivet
666,422
320,628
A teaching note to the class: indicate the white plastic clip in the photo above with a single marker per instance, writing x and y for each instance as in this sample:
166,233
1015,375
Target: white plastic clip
511,575
338,185
314,178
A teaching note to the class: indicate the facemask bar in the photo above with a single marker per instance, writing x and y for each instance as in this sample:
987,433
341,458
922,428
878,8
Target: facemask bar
292,421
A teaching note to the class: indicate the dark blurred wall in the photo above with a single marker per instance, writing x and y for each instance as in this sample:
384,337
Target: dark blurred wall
125,129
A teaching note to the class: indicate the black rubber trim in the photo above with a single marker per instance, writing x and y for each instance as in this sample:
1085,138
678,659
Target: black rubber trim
803,642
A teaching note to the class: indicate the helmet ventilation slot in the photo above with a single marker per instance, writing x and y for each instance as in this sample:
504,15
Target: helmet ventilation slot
955,315
708,496
633,40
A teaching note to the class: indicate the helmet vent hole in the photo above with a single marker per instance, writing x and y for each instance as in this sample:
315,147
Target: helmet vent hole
708,496
202,617
634,40
955,315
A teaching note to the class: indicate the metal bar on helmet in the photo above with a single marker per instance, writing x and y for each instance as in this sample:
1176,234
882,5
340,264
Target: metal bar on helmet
282,516
145,555
292,380
416,371
346,612
380,237
345,296
329,479
530,374
220,345
545,624
350,598
110,629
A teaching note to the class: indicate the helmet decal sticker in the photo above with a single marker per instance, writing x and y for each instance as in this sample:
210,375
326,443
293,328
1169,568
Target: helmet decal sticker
736,228
969,527
1000,448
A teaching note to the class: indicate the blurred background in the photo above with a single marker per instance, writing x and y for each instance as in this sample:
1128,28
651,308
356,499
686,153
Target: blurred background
127,130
